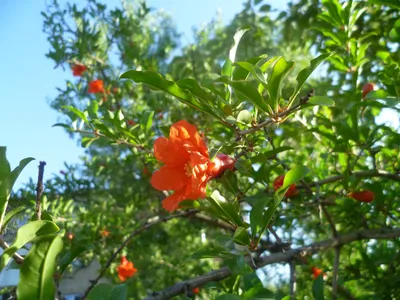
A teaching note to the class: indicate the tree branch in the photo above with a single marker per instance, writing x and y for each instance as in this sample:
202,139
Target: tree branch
17,258
369,173
148,224
179,288
39,190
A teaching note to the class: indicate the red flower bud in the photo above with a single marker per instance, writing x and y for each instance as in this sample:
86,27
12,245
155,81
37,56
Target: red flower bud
78,70
292,191
367,88
316,272
363,196
131,122
221,163
196,290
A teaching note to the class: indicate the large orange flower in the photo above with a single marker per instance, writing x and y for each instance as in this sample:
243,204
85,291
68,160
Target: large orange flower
186,161
126,269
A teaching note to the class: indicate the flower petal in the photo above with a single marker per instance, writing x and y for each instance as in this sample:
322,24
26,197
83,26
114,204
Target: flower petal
171,203
185,131
169,178
170,152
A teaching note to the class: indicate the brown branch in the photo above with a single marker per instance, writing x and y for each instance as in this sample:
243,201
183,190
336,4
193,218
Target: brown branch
148,224
255,128
370,173
39,191
335,273
17,258
179,288
292,265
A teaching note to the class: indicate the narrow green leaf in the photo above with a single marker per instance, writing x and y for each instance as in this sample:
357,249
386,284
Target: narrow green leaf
279,72
36,274
26,234
248,91
63,125
101,291
321,100
237,37
12,214
394,34
78,113
241,236
242,74
294,175
306,72
5,168
318,288
159,82
71,255
228,297
253,70
225,208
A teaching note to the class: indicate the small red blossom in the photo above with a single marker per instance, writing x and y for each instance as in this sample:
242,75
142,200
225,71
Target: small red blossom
221,163
125,269
115,90
105,233
316,272
196,290
367,88
292,191
78,70
186,163
96,86
363,196
131,122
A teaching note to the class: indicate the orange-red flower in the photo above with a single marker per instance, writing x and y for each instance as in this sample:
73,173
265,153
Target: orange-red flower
363,196
316,272
278,182
367,88
96,86
131,122
70,236
125,269
105,233
221,163
196,290
77,70
186,162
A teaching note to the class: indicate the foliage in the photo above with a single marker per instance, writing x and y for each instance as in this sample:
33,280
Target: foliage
282,96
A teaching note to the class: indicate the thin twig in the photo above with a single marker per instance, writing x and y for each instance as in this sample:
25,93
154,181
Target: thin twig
335,273
370,173
179,288
17,258
255,128
148,224
292,265
39,190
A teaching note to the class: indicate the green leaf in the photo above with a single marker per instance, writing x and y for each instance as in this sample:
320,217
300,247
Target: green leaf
306,72
248,91
26,234
5,168
159,82
394,34
237,37
294,175
224,208
241,236
279,72
7,183
93,109
71,255
36,274
321,100
107,291
78,113
390,3
253,70
242,74
11,214
318,288
63,125
256,214
228,297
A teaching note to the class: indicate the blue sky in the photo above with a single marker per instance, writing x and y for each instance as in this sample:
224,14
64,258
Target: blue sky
29,80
